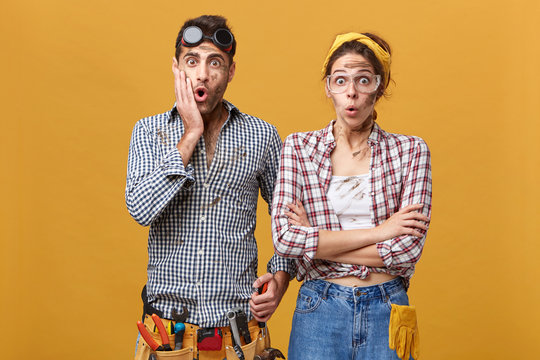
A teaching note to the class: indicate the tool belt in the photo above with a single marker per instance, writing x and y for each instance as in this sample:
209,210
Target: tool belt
191,346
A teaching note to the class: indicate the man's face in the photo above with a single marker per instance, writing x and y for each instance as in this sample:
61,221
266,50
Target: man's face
210,71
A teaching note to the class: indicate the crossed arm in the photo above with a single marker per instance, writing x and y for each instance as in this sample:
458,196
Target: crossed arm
359,246
396,243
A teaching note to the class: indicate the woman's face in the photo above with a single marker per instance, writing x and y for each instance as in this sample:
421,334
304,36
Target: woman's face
351,106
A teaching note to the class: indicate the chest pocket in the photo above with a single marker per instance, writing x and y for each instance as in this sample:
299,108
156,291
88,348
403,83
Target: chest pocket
392,191
387,189
166,139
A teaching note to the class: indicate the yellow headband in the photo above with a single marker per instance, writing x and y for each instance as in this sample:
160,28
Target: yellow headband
382,55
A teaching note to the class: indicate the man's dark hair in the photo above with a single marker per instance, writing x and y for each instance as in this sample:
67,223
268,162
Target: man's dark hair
208,24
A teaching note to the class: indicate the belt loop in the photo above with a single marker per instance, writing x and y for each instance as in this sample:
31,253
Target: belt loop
384,295
325,290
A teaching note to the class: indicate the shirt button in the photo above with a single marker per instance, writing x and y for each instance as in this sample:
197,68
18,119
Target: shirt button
206,186
203,218
199,283
200,252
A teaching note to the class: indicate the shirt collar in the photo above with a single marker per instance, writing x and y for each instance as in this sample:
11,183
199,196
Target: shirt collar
173,113
375,136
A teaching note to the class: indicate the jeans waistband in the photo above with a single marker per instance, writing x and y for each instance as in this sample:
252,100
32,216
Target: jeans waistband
378,291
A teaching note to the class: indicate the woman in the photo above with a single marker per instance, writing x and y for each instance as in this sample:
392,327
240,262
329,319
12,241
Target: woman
351,204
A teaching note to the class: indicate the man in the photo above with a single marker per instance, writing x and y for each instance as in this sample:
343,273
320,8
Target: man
194,174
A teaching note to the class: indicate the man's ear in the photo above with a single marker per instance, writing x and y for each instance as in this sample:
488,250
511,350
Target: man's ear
174,64
232,69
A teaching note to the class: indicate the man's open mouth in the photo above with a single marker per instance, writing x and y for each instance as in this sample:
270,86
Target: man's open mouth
200,93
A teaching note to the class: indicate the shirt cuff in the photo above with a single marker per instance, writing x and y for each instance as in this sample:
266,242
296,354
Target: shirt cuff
277,263
385,252
173,165
311,244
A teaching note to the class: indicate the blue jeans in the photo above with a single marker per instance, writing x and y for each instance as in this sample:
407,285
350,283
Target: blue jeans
341,322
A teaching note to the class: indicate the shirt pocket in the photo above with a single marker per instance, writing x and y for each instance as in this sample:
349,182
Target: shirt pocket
393,194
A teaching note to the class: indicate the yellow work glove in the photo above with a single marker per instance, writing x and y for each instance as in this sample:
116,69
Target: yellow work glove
403,331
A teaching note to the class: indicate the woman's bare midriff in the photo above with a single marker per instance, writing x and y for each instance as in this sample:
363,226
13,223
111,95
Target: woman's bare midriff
372,279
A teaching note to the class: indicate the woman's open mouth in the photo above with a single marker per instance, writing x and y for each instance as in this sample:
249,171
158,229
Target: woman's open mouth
351,111
200,93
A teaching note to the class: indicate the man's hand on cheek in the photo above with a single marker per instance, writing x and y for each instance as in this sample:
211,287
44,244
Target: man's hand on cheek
185,102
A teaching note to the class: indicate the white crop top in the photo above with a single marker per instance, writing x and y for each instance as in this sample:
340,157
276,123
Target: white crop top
350,197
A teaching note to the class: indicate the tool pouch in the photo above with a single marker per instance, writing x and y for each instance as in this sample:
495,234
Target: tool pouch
261,340
186,353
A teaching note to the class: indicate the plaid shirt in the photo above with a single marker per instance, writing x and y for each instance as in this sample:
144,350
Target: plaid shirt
201,247
400,175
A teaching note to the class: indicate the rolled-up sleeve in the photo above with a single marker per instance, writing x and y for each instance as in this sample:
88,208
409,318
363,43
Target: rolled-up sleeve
289,240
152,181
403,252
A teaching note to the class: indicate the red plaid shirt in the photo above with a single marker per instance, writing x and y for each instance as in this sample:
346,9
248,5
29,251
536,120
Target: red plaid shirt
400,176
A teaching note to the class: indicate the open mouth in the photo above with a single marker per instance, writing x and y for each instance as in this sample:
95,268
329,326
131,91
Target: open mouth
200,94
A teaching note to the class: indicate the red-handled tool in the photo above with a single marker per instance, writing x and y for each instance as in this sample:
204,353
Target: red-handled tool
162,333
165,346
147,337
262,290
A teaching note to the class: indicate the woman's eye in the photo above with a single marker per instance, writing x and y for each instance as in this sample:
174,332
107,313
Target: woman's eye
364,80
341,81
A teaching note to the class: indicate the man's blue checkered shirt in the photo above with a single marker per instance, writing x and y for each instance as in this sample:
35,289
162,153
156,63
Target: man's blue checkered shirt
201,248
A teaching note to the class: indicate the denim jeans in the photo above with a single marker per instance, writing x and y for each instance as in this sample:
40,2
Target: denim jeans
341,322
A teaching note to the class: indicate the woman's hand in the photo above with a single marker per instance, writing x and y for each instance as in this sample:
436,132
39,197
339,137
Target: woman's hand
406,221
297,214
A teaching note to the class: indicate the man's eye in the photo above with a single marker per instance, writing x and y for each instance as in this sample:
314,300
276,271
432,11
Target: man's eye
215,63
191,62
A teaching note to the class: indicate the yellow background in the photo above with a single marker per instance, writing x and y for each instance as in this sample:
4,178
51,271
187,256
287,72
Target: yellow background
76,76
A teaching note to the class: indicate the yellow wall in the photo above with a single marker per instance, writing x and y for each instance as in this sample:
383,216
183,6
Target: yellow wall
77,75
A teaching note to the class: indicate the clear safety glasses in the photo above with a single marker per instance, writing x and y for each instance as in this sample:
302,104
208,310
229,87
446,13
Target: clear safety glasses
364,83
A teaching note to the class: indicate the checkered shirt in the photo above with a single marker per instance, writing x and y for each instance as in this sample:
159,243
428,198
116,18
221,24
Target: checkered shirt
201,247
400,175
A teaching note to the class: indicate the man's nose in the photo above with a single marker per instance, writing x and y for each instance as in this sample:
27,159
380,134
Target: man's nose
202,73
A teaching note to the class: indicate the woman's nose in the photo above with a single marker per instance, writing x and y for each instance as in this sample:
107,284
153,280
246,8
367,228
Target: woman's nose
351,90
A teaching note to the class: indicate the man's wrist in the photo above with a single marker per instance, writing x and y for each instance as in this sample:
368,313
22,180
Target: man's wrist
191,136
282,279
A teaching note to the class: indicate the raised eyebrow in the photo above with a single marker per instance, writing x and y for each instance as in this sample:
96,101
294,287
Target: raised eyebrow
192,54
216,55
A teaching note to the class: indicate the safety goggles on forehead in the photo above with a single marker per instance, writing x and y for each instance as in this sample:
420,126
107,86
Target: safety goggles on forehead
193,36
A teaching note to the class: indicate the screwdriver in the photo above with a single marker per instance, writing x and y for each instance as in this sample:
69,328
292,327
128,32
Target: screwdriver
179,330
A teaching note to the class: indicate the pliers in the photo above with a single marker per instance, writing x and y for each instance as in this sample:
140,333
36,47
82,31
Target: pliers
165,346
